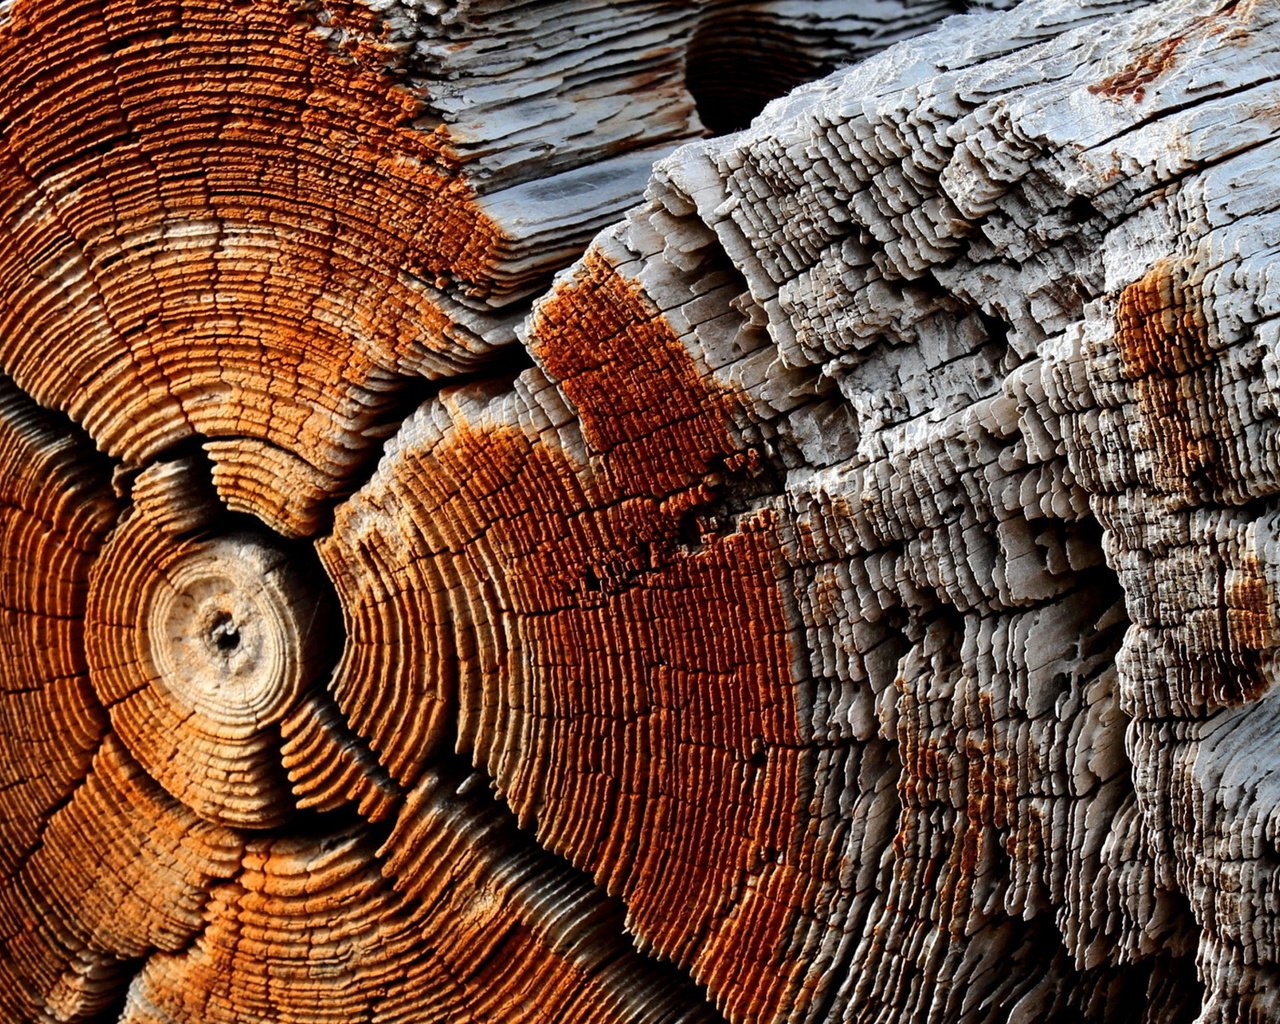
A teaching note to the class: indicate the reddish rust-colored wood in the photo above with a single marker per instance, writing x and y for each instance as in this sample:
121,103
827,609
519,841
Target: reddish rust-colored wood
191,283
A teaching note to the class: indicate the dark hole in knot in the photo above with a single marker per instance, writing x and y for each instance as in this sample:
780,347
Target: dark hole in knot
737,61
225,634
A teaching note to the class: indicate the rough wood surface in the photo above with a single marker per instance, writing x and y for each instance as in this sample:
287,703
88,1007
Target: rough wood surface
844,592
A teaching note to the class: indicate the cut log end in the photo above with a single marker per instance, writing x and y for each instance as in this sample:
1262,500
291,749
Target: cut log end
843,592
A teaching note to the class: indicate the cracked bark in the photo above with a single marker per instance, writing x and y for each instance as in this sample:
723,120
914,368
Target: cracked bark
844,592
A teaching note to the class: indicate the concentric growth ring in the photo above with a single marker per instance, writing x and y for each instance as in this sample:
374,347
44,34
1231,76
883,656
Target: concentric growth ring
199,644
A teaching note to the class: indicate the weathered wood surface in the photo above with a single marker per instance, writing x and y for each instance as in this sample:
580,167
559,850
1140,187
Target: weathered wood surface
845,593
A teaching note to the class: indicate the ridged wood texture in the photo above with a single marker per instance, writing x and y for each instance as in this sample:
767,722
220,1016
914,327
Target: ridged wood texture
845,592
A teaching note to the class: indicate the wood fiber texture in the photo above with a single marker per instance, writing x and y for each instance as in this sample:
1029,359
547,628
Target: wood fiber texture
490,532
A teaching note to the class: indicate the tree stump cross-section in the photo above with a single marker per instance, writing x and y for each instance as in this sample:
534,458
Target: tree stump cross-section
733,510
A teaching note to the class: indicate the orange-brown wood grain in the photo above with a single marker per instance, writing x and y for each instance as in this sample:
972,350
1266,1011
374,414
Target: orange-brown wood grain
466,559
211,263
630,691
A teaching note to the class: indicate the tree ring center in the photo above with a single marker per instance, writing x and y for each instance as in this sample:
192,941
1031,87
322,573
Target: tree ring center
231,630
224,634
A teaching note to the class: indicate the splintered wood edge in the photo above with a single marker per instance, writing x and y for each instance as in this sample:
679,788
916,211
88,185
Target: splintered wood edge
948,523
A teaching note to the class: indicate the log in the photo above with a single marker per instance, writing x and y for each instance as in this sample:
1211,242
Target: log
721,511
